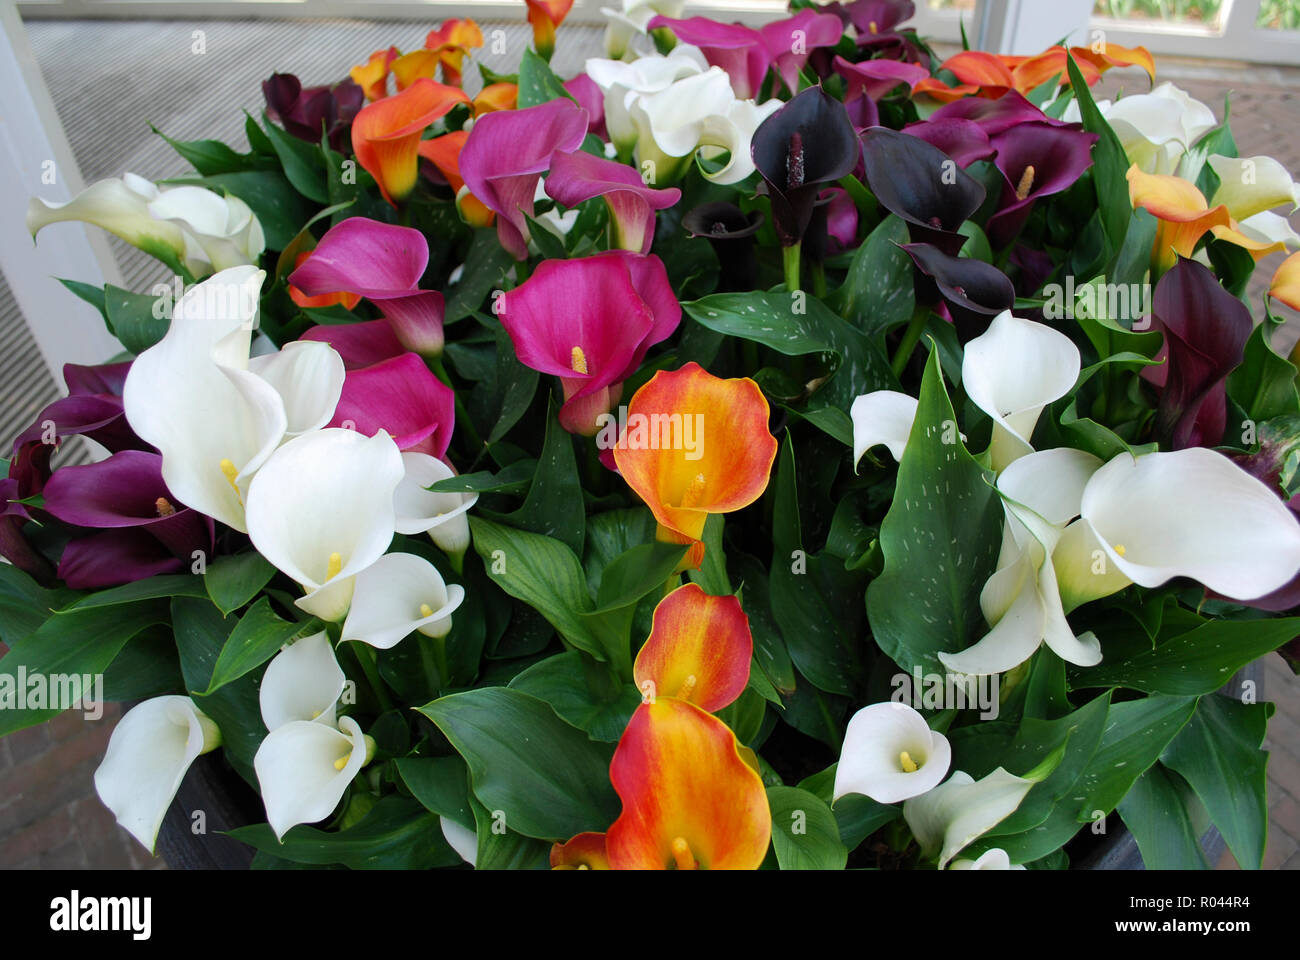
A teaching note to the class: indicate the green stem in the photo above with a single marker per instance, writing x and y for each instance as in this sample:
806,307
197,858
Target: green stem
911,336
819,280
790,258
434,673
370,667
749,356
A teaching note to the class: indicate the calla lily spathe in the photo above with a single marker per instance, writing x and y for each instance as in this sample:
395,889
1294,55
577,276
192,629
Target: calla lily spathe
196,396
994,858
397,595
440,515
386,134
632,20
151,748
699,650
884,418
622,84
1251,185
890,754
321,510
461,839
1156,129
948,818
304,768
302,682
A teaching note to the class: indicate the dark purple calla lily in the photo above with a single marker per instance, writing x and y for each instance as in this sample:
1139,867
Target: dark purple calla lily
384,264
963,140
309,113
1034,267
730,231
922,185
1036,160
808,142
508,151
14,545
997,115
1205,330
590,322
872,80
974,291
402,397
579,176
146,532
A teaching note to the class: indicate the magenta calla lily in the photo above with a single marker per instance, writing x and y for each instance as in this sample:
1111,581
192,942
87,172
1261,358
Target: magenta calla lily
965,141
402,397
791,41
359,344
508,151
590,322
871,80
592,99
996,115
146,532
384,264
1036,160
579,176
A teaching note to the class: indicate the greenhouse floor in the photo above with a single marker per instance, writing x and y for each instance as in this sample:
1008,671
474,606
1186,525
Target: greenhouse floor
108,78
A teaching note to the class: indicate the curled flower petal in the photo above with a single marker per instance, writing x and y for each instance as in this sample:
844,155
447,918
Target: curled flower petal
299,773
386,134
302,682
890,754
882,417
395,596
946,819
699,649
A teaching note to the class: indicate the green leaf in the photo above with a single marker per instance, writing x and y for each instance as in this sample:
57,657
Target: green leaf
543,573
397,834
940,540
302,161
169,585
712,572
441,784
231,581
1137,731
554,505
25,604
279,208
582,692
505,849
1218,753
486,266
92,294
1194,663
1109,162
517,385
134,318
804,832
257,637
538,82
209,156
1194,167
546,777
1156,814
877,294
857,817
1264,383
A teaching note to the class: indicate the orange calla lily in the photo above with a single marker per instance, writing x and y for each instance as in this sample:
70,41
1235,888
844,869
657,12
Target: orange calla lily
545,16
444,153
1033,72
979,69
348,300
1113,55
372,76
496,96
699,650
452,41
1286,282
690,800
386,133
586,851
1184,218
413,66
936,88
695,444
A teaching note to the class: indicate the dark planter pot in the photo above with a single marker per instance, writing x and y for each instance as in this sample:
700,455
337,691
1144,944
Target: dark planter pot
227,802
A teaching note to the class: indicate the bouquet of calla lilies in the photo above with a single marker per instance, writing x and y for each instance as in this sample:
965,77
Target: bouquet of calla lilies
774,447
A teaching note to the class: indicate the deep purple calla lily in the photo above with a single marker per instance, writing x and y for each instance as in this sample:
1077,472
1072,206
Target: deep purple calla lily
963,140
730,231
402,397
872,80
145,531
922,185
14,545
359,344
808,142
875,22
974,291
590,322
579,176
1205,330
1036,160
996,115
384,264
314,111
506,153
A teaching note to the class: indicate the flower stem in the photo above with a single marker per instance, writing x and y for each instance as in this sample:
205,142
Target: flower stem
910,338
819,280
790,258
370,667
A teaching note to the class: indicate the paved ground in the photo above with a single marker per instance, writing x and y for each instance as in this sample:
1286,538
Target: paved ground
49,814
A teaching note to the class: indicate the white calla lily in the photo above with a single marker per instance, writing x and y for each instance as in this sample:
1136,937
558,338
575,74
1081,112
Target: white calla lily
461,839
148,753
1021,601
192,396
308,376
883,417
1251,185
321,510
302,682
632,20
1011,372
440,515
1270,228
946,819
890,754
994,858
625,83
222,230
396,595
119,206
1156,129
1188,513
304,768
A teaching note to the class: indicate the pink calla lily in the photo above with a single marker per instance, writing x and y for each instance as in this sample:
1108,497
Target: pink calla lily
579,176
508,151
401,397
384,264
359,344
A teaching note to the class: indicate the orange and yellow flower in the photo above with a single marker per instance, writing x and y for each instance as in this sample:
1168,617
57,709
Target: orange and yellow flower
1286,282
545,16
1185,218
444,153
496,96
372,76
452,41
990,74
724,469
386,134
586,851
